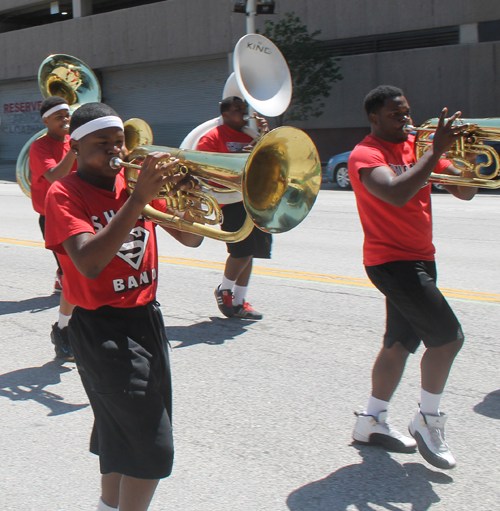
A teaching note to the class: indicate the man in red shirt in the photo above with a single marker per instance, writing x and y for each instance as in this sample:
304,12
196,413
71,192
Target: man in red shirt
229,137
393,199
51,159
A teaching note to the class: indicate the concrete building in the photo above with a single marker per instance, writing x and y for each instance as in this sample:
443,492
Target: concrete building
167,61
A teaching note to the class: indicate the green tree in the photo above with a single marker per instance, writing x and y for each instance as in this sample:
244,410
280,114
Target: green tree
313,70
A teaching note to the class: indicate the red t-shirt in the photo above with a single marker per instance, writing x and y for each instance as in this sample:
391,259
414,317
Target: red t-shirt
392,233
223,139
130,279
45,154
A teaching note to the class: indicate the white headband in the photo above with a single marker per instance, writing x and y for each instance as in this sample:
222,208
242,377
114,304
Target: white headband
110,121
55,109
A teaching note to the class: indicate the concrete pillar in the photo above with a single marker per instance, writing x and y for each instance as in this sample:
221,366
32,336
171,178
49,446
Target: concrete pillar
468,33
82,8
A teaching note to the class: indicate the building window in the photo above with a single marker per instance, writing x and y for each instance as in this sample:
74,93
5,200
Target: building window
488,31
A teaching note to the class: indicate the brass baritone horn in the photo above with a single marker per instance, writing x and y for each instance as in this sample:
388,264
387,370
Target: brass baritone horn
478,132
279,181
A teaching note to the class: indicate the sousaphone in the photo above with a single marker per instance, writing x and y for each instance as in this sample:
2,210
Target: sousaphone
70,78
261,77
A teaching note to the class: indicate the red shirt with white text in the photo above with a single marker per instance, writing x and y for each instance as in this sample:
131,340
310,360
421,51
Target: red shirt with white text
392,233
130,279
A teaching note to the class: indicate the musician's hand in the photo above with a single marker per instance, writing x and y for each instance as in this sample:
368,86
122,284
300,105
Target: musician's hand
446,133
471,157
152,177
247,149
262,125
183,182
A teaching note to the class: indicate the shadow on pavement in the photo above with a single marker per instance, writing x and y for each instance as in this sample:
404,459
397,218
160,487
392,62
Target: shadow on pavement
37,304
29,384
490,405
377,480
213,331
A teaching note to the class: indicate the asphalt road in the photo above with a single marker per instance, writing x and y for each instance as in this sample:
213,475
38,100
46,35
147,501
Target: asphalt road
263,411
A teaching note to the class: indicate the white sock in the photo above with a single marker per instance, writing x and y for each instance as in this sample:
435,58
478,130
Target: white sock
240,293
226,283
429,403
375,406
103,507
63,320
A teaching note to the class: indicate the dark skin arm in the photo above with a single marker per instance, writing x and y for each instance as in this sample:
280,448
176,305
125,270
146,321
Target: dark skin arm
398,190
91,253
186,238
62,169
461,192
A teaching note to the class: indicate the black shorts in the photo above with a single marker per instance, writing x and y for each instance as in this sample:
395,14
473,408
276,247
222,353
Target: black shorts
257,244
416,309
122,358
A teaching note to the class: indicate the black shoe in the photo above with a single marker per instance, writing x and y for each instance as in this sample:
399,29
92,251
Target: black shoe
224,299
246,311
59,338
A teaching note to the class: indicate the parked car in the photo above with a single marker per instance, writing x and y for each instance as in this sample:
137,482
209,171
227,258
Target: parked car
336,171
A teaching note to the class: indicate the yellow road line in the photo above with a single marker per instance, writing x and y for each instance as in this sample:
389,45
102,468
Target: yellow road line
330,279
294,274
29,243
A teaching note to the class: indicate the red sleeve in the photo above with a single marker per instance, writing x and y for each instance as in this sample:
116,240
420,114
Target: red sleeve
363,157
66,215
41,159
442,165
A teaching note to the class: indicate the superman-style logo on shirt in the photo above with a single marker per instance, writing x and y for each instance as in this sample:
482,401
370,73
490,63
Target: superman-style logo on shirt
134,247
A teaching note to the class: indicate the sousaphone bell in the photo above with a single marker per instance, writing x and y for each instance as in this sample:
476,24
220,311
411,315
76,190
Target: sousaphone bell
70,78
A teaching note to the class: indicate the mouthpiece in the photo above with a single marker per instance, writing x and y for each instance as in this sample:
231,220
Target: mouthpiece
248,117
116,163
409,128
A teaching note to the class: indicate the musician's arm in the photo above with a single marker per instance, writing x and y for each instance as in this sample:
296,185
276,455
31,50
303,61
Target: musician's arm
461,192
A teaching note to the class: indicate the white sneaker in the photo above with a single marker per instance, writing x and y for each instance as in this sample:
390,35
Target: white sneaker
428,431
376,431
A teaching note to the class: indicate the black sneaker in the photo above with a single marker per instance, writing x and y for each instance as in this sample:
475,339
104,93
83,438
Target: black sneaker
59,338
224,299
246,311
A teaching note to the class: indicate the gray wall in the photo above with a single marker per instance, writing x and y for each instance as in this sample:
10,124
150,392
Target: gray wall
463,77
341,19
187,33
163,31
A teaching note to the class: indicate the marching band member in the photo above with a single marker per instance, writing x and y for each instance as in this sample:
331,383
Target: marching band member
229,137
394,204
109,252
51,159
